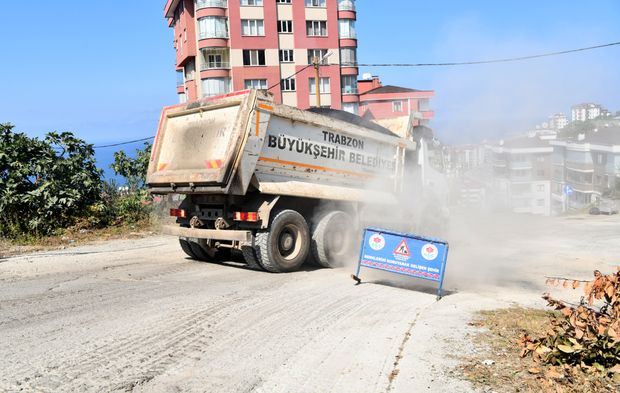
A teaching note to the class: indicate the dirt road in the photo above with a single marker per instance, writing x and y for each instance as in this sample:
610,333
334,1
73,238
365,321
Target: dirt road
137,315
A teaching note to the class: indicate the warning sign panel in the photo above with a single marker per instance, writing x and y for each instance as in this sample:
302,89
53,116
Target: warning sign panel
402,249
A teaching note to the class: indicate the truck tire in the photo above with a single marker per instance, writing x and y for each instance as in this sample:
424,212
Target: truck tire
249,255
186,247
285,247
332,240
209,254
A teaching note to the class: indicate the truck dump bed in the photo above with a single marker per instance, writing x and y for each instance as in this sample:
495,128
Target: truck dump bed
244,142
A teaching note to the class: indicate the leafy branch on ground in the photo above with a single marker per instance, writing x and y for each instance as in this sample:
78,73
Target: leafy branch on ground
585,335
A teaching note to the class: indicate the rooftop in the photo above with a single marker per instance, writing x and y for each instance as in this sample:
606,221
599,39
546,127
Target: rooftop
394,89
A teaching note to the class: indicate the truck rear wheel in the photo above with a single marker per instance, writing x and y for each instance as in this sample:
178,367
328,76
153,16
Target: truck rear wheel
249,255
332,240
206,254
285,247
187,249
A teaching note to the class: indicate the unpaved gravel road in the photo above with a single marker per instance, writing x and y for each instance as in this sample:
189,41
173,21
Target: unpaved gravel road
137,315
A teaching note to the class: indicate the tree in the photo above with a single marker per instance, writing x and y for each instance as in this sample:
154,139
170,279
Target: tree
45,184
133,169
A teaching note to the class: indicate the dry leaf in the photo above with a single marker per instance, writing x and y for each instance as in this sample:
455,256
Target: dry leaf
534,370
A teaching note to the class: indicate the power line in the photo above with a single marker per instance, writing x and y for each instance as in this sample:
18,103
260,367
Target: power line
124,143
504,60
292,76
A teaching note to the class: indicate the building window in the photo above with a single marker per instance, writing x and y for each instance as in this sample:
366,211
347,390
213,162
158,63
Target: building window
254,57
316,3
348,57
210,4
346,27
252,2
351,107
397,106
252,27
316,28
540,188
190,70
287,55
540,202
285,26
540,173
258,84
323,85
288,84
349,84
180,78
284,1
212,27
215,86
320,53
182,98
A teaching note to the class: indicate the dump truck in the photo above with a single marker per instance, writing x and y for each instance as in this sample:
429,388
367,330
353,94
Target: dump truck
278,185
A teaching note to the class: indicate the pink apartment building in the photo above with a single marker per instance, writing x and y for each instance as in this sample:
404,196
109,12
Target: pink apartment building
229,45
383,104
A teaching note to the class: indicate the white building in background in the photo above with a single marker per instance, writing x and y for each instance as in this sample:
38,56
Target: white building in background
558,121
587,111
522,174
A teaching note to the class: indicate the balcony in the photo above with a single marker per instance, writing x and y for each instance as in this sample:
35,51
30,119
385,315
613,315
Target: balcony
346,5
349,90
215,65
200,4
516,165
579,166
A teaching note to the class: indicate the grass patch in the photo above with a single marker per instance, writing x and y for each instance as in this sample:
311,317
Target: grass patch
497,366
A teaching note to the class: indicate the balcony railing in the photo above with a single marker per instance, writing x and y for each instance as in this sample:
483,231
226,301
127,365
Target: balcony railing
515,165
349,90
346,5
579,166
215,65
211,4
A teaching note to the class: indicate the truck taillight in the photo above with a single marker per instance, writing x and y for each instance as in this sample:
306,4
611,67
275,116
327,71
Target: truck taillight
178,213
246,216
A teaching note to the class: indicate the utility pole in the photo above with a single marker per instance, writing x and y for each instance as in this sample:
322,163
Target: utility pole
316,62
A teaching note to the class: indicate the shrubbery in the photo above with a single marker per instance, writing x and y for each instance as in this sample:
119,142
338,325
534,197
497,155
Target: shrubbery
45,184
49,184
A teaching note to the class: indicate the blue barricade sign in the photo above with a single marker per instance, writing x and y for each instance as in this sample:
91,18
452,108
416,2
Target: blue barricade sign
406,254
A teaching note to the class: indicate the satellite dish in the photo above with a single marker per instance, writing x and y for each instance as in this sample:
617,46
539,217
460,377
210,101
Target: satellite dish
367,76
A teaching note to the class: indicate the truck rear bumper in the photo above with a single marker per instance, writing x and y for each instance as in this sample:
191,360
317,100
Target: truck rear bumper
240,236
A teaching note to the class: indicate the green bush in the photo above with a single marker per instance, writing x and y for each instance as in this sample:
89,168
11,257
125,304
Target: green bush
45,184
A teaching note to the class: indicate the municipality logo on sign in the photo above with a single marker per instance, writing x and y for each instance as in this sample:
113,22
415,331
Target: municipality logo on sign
376,242
429,252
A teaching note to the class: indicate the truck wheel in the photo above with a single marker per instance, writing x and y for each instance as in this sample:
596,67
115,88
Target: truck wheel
249,255
186,247
209,254
285,247
332,240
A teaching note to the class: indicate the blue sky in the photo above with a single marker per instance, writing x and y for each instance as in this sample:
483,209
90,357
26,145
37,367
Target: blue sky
104,70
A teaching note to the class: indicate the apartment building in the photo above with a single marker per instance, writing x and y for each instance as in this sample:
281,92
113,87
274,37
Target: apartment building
379,103
585,169
588,111
522,174
229,45
558,121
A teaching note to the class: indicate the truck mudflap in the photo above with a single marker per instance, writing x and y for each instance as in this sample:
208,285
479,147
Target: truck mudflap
213,234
